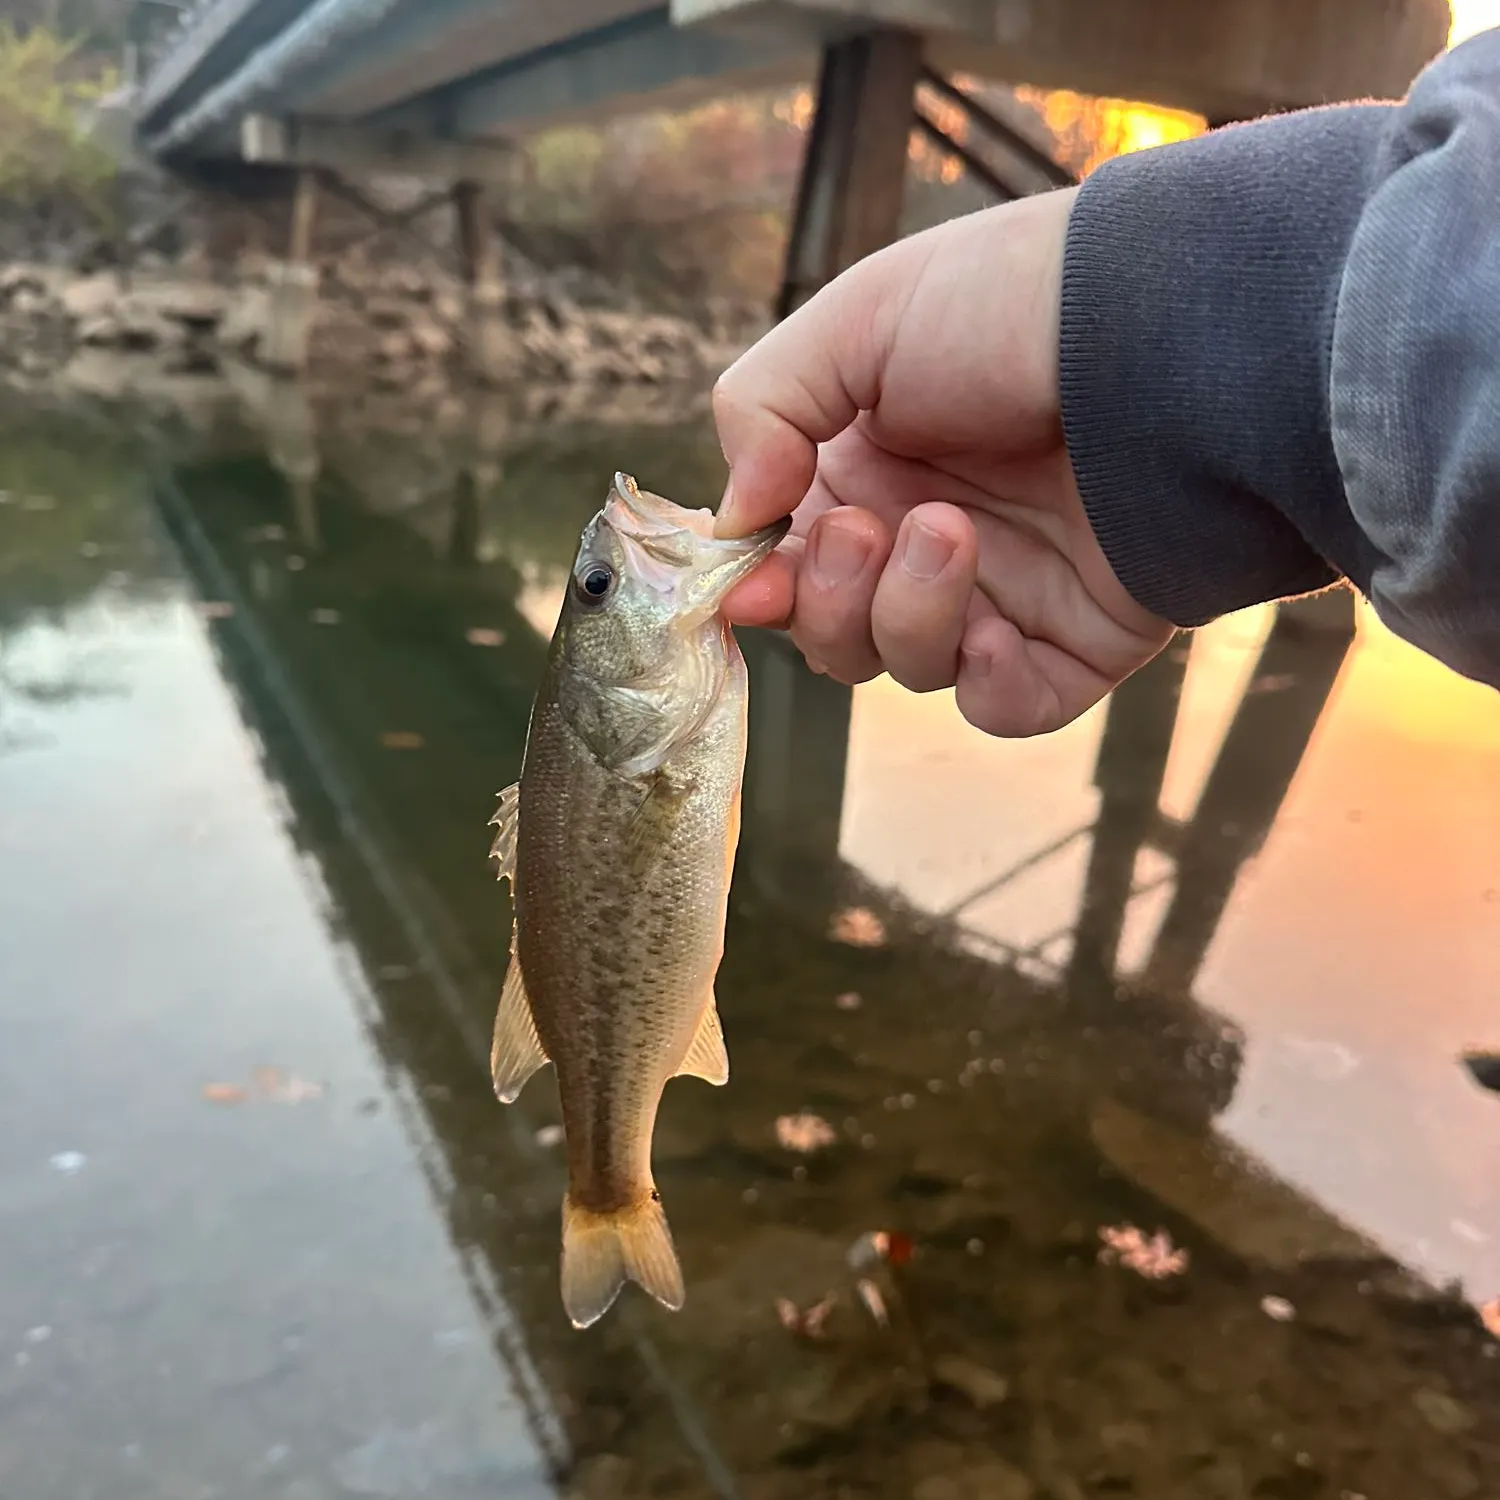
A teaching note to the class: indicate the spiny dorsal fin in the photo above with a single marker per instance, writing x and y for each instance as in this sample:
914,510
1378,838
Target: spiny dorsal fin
503,850
707,1057
516,1052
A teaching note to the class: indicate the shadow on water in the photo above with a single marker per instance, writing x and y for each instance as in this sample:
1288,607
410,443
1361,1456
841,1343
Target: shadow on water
983,1106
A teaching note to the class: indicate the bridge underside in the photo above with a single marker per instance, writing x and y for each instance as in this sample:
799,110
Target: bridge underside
436,88
474,69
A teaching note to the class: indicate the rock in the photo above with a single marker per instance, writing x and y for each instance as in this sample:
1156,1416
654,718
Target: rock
605,1477
386,313
961,1473
31,301
450,308
394,347
104,331
982,1385
244,321
92,298
198,306
1441,1412
429,338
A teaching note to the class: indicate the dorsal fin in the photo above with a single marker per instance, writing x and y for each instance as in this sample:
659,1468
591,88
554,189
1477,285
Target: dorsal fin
505,821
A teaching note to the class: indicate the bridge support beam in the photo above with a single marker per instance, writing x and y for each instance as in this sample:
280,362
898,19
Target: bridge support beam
853,175
294,285
490,347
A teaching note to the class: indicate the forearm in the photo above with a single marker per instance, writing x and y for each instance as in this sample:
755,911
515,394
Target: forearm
1280,361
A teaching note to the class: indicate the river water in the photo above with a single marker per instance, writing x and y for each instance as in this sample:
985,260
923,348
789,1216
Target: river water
1099,1124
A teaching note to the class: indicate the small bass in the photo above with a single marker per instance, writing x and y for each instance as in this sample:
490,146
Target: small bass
619,841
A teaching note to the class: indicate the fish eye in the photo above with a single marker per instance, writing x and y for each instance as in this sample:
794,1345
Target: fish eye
595,583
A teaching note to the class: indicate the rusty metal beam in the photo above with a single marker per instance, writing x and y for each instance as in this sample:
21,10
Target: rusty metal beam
853,175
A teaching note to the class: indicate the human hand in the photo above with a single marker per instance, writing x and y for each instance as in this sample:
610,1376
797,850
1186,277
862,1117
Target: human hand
908,417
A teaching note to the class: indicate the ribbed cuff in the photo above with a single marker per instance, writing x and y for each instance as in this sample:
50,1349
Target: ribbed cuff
1198,296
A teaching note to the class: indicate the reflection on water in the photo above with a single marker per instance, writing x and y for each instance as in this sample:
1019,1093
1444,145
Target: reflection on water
1200,966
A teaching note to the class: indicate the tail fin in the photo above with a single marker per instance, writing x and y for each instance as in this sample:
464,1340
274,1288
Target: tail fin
601,1252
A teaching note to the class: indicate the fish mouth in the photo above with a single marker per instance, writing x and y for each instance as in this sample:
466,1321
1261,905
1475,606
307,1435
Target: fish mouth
682,542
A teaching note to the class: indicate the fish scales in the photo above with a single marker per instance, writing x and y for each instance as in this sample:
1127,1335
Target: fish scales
633,943
619,844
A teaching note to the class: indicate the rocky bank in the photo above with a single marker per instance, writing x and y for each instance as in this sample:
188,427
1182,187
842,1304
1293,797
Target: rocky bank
395,327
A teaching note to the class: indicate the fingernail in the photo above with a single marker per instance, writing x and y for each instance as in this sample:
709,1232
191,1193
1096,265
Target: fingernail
926,552
724,517
977,663
838,555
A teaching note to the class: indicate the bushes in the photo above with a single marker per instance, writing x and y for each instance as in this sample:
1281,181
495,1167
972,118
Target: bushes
48,163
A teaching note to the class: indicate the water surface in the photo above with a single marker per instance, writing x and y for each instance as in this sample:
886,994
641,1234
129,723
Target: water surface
1203,964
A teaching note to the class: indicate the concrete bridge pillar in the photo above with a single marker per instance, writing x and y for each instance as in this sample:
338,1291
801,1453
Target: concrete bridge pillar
294,284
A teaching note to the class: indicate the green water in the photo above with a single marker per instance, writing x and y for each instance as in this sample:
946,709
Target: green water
265,1232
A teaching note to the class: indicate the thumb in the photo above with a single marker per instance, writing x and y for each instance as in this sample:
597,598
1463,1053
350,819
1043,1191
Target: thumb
804,382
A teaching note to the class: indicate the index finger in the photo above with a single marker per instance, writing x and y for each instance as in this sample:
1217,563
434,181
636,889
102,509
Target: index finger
801,384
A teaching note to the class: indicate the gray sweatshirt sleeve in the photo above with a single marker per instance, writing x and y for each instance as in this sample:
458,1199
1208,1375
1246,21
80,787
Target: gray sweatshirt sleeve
1280,361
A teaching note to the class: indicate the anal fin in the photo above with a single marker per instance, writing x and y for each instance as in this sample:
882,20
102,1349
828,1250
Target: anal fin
707,1057
516,1051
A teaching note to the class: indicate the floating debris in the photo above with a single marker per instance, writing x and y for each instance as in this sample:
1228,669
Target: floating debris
1153,1256
295,563
483,635
214,609
806,1323
40,1334
69,1162
402,739
859,927
39,502
271,533
1278,1309
225,1093
847,1001
804,1132
550,1136
326,617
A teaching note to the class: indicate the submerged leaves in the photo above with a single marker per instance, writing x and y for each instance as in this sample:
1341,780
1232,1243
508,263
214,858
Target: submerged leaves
272,1084
859,927
804,1132
1153,1257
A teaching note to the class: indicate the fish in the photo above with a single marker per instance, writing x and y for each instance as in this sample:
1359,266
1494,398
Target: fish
618,841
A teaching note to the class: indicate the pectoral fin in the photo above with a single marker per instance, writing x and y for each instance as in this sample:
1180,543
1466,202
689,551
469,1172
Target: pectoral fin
707,1057
516,1052
651,827
505,821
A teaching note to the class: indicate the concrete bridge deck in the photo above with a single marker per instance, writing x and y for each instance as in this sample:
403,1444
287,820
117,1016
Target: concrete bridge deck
473,69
